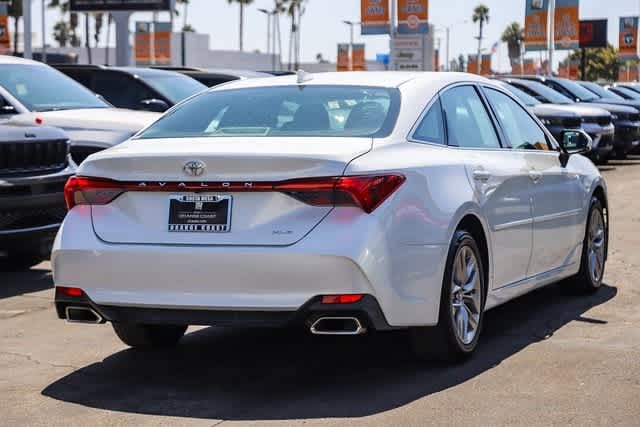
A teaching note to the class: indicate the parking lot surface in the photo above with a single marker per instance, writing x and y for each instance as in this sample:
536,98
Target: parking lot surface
550,357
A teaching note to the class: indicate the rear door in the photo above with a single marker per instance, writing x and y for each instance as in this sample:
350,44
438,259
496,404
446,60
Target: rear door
556,190
255,216
499,178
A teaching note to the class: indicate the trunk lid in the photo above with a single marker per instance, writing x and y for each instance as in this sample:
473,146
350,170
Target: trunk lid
261,218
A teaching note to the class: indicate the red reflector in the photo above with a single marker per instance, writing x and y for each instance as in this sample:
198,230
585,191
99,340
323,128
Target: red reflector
70,292
341,299
38,120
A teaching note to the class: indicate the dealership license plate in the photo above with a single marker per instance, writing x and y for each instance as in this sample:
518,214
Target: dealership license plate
200,214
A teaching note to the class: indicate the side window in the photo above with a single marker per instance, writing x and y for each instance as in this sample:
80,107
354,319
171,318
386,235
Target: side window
558,88
467,120
431,128
81,76
120,89
521,130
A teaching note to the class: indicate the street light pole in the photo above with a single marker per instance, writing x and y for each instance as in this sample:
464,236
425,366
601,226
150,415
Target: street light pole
552,33
44,35
351,24
268,14
26,13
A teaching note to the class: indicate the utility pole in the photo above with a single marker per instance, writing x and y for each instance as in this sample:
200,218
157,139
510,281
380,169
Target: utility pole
392,36
268,14
26,13
552,33
448,65
44,33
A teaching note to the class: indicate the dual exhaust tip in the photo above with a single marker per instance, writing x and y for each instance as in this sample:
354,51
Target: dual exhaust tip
337,326
322,326
76,314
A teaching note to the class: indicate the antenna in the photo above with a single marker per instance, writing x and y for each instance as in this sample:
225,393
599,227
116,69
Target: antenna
303,76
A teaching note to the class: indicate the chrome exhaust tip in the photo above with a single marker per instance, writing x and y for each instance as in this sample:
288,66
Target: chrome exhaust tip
75,314
337,326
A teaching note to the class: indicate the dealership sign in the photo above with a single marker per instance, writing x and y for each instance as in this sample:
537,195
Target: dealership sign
628,38
567,24
343,63
358,61
114,5
535,25
408,52
5,44
374,16
413,16
593,33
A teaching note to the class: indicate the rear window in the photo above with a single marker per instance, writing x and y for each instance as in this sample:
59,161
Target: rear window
283,111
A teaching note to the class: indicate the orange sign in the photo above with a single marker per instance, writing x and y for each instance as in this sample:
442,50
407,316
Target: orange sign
628,38
628,74
5,43
143,42
413,16
529,66
567,24
162,43
343,63
535,25
358,60
485,66
374,16
472,64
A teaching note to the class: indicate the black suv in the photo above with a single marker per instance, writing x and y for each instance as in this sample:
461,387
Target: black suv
134,88
214,77
34,166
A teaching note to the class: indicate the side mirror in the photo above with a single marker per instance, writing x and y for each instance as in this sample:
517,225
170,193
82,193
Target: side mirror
574,142
155,105
6,108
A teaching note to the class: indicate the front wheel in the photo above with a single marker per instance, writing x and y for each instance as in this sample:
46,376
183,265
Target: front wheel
149,336
461,306
594,251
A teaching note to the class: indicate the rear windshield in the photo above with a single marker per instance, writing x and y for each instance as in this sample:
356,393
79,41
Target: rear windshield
283,111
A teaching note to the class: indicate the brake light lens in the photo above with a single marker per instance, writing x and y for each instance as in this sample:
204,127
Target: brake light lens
91,191
341,299
366,192
69,292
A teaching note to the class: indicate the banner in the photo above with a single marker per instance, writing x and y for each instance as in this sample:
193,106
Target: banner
535,25
413,16
593,33
143,42
472,64
567,24
485,66
5,43
343,63
628,73
628,38
162,43
374,16
358,61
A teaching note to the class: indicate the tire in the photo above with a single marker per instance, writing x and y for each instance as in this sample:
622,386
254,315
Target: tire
595,243
446,342
20,261
149,336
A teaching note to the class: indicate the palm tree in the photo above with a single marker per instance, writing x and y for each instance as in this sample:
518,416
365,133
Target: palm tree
295,9
480,16
513,36
15,11
73,19
241,3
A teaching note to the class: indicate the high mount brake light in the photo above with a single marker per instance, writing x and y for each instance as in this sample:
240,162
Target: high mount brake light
366,191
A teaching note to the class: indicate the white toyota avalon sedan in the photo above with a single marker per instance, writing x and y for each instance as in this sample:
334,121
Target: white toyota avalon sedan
346,203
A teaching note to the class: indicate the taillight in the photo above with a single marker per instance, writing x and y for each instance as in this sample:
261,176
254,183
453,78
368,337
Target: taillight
366,192
91,191
341,299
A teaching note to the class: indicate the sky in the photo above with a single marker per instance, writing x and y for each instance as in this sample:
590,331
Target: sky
322,26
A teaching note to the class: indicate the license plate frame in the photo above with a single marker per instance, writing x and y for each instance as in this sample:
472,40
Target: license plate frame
199,213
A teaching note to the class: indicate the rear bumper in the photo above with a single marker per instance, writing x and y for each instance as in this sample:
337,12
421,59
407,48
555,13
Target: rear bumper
366,310
201,282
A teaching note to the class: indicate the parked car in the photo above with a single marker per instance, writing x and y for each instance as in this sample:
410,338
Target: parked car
364,210
552,105
214,77
34,166
33,93
135,88
626,119
624,92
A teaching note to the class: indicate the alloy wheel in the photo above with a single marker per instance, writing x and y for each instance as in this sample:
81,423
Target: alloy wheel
596,246
466,295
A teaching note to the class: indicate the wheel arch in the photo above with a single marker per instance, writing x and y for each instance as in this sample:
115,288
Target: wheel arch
600,193
473,223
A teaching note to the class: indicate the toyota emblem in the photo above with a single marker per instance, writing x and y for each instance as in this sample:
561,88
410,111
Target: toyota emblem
194,168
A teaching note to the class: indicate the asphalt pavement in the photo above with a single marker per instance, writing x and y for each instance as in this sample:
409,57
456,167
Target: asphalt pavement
551,357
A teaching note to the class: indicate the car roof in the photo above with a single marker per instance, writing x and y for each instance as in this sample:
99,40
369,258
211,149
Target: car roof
390,79
8,59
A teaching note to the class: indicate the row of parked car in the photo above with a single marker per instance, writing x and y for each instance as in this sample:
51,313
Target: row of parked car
49,123
52,118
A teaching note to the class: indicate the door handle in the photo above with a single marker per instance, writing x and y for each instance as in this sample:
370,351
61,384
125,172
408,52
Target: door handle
535,176
481,175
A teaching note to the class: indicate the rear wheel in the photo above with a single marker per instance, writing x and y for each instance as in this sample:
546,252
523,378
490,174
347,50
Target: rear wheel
149,336
594,247
461,306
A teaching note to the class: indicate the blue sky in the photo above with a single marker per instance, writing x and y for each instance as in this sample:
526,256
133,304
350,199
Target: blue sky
322,26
